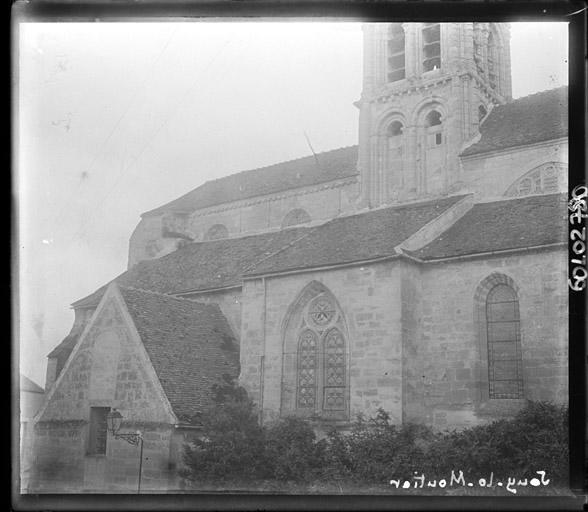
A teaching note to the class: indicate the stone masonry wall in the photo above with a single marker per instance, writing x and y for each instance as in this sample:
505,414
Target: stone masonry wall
452,380
369,300
257,215
489,175
108,370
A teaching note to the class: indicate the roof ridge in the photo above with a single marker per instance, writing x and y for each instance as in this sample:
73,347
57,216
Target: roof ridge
281,162
536,93
162,294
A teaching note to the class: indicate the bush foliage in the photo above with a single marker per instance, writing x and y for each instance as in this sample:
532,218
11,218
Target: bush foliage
235,447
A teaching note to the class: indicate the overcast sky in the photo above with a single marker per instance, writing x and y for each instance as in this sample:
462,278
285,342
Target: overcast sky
116,119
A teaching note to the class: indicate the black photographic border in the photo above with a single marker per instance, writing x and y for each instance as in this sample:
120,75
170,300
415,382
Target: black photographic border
573,12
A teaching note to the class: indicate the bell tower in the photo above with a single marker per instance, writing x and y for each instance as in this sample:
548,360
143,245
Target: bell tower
426,89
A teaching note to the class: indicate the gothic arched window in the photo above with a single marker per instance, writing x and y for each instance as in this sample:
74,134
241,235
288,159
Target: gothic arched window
217,232
396,51
505,372
295,218
321,373
431,46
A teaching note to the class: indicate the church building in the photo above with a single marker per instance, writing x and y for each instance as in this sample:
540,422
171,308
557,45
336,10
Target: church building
423,271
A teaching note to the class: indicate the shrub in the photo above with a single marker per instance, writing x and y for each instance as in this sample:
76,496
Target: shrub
232,442
535,439
374,451
292,451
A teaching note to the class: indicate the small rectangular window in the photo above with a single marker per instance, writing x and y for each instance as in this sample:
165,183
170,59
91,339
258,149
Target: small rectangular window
438,139
98,430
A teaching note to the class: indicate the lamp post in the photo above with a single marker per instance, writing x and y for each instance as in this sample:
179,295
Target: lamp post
113,422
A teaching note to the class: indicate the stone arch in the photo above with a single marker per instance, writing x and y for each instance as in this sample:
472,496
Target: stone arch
315,356
387,118
216,232
421,110
389,154
487,363
431,153
546,178
296,217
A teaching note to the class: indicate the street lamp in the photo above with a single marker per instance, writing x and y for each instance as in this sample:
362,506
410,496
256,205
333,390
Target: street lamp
113,422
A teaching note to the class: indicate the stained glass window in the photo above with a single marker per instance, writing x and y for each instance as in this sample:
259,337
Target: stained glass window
307,369
505,373
334,385
321,378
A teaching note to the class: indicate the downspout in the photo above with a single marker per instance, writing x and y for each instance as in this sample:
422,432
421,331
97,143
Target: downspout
262,357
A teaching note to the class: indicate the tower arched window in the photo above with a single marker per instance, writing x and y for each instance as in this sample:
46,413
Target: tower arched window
434,153
396,53
216,232
434,129
505,372
431,33
395,157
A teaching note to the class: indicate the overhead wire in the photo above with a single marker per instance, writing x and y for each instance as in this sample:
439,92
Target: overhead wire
147,144
133,98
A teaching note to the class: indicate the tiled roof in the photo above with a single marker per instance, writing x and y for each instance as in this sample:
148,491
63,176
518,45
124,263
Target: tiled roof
535,118
190,345
62,351
201,265
302,172
514,223
357,237
27,384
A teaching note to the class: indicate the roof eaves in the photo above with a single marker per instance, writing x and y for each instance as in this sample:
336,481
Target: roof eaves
301,270
481,254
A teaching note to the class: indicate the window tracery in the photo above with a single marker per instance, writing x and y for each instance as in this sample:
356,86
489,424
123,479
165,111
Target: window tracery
546,179
321,368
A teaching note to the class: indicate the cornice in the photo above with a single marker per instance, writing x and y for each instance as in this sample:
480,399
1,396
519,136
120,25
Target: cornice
276,196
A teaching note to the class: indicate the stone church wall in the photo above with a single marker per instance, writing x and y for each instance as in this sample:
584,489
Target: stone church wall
322,202
448,387
106,371
369,299
490,175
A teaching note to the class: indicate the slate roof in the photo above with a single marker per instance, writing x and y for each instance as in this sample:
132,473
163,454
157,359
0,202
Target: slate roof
357,237
201,265
514,223
302,172
531,119
190,345
27,384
